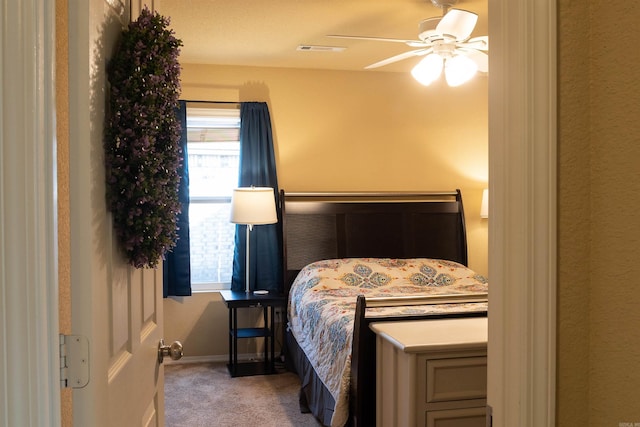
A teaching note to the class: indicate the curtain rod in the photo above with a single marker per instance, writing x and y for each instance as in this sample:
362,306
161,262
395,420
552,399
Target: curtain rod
210,102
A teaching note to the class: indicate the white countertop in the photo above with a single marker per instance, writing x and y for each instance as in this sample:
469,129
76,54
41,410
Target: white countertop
415,336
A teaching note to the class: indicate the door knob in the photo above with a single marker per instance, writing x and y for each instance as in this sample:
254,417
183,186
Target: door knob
174,350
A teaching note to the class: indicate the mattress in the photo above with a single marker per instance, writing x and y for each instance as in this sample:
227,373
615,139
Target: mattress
322,303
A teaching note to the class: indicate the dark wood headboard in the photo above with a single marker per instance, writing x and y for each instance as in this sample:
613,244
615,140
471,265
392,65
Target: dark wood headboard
319,226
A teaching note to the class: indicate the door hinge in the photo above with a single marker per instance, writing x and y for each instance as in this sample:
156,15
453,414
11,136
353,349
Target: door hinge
74,361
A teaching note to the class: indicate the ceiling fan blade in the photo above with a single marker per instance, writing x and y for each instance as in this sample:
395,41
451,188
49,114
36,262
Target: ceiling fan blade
399,57
412,43
458,23
480,58
480,43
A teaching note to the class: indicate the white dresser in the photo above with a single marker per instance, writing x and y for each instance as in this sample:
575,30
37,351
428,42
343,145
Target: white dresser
431,373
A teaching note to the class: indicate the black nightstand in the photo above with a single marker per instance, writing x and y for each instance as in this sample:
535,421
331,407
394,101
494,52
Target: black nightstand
267,302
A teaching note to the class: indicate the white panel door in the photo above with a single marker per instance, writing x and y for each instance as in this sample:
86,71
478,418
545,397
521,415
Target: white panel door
118,308
135,379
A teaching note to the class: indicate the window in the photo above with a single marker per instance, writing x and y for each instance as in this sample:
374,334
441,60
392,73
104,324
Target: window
213,144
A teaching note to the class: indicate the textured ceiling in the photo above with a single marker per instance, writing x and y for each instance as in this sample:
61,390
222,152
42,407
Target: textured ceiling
265,33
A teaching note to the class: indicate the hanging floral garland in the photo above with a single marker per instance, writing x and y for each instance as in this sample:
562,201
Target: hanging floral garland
142,139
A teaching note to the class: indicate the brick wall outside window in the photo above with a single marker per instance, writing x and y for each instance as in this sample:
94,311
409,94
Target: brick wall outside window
211,236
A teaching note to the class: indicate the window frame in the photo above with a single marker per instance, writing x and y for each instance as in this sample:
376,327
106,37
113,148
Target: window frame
204,287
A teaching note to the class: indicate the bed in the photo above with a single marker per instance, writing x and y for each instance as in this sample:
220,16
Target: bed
350,259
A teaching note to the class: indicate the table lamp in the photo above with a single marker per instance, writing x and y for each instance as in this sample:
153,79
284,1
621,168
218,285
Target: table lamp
252,206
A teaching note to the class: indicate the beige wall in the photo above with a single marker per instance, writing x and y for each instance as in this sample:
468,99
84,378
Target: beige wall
573,219
201,323
614,344
337,130
361,130
599,225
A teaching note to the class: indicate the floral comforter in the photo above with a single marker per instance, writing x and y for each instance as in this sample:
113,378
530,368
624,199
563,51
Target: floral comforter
323,298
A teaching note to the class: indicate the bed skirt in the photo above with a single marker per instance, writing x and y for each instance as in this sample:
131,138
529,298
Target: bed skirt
314,396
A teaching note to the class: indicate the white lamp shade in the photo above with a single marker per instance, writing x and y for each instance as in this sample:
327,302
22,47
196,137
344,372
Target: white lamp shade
484,207
253,206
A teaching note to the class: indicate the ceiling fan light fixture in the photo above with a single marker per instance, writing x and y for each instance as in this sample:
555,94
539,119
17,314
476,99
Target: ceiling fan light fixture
428,69
459,70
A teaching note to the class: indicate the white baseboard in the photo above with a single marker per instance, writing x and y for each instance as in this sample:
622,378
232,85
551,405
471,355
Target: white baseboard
212,359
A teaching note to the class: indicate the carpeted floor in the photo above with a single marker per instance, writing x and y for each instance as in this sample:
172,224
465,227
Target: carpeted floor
203,395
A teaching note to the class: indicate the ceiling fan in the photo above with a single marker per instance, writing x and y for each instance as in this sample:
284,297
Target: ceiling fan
446,44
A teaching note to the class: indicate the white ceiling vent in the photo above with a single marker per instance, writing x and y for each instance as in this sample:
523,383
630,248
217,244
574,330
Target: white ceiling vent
316,48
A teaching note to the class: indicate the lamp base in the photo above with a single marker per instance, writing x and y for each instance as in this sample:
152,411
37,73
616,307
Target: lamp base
247,263
261,292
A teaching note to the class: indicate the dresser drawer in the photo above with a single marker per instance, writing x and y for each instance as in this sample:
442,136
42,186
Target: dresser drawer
453,379
466,417
431,373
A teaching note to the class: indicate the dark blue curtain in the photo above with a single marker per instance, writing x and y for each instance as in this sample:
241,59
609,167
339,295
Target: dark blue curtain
258,168
177,265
